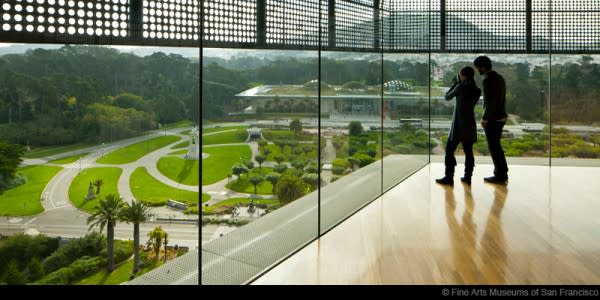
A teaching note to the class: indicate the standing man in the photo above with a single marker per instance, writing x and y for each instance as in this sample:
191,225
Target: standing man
494,116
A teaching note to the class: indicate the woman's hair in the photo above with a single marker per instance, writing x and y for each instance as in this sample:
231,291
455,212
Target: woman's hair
468,72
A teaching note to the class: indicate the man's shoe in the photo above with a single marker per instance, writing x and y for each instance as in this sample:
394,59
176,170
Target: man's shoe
445,181
495,180
466,180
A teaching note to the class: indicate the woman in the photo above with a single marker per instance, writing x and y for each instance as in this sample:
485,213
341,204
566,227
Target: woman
463,129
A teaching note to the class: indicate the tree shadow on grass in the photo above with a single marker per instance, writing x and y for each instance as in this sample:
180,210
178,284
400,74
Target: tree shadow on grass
185,171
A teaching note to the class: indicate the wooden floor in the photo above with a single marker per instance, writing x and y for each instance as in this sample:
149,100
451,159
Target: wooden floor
543,228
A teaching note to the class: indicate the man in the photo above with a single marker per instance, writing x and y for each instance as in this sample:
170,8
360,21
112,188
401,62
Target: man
494,116
464,127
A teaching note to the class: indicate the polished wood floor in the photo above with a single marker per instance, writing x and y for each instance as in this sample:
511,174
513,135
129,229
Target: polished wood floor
543,228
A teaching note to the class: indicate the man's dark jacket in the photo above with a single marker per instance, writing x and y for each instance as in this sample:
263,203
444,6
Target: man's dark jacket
463,122
494,97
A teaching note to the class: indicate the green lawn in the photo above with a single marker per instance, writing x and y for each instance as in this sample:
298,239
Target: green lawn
218,164
217,129
234,201
179,152
183,144
119,275
136,151
181,170
79,186
68,159
180,124
228,137
53,150
185,132
155,193
205,197
243,186
24,200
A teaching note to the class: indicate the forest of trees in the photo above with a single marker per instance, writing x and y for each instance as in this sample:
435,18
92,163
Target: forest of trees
92,94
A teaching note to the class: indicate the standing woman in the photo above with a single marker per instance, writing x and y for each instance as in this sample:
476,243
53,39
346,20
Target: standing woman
464,130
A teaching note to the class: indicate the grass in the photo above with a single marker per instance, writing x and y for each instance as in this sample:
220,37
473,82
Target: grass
228,137
217,129
24,200
136,151
179,152
79,186
53,150
205,197
155,193
179,124
275,134
234,201
243,186
119,275
185,132
218,164
69,159
181,170
183,144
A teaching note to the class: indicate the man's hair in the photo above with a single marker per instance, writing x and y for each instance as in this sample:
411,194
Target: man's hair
468,72
483,61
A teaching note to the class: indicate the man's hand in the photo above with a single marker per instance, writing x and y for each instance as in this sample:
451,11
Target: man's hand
454,80
484,123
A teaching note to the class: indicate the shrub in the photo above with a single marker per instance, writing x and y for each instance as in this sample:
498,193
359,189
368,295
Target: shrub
363,159
123,250
23,248
12,275
280,168
35,269
334,178
340,162
338,170
90,245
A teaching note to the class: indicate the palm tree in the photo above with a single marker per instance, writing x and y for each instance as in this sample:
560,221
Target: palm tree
137,212
98,183
107,214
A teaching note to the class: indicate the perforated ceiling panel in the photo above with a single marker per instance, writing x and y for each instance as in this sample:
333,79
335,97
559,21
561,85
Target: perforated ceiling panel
486,25
354,24
575,25
171,19
230,21
83,18
412,24
295,22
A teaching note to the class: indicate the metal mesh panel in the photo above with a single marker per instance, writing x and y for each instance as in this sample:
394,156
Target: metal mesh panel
354,25
490,25
230,21
74,18
412,26
171,19
540,26
575,25
295,22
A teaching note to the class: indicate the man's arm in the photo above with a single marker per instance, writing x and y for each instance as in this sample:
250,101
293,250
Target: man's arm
490,99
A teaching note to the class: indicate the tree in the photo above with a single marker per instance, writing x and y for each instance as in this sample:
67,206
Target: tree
273,177
35,269
166,242
238,170
12,275
10,159
289,188
296,126
355,128
107,213
137,212
249,164
98,183
280,168
157,236
279,158
255,180
299,164
312,179
260,159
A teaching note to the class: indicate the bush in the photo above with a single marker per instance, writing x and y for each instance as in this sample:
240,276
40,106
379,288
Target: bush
80,268
90,245
334,178
363,159
338,170
35,269
280,168
340,162
23,248
123,250
12,275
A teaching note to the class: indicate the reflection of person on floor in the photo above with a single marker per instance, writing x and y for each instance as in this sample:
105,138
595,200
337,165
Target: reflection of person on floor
493,243
462,238
464,129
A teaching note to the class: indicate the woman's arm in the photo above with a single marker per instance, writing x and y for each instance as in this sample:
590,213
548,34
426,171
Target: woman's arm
453,92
